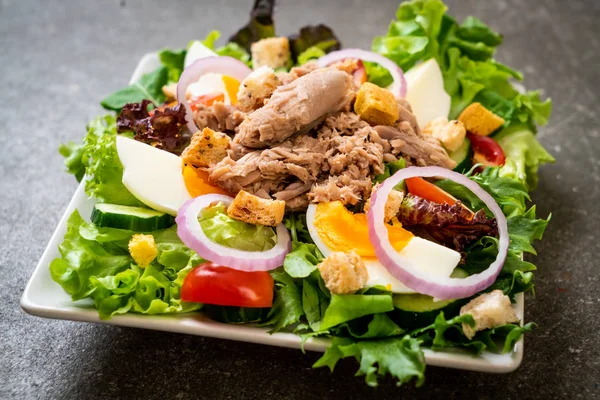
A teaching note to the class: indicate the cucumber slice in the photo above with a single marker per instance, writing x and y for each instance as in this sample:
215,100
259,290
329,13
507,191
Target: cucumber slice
235,315
418,310
463,156
131,218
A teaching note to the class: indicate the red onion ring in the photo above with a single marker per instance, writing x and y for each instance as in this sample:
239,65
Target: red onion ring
403,269
221,65
398,87
191,234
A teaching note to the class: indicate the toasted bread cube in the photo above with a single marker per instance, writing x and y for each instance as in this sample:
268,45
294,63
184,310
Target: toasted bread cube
450,133
479,120
344,273
256,210
376,105
392,205
489,310
273,52
206,148
143,249
256,88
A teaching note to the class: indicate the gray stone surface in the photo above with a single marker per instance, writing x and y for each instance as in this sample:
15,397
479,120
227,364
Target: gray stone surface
58,58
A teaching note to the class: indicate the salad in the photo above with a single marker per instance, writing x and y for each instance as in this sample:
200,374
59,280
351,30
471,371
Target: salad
378,198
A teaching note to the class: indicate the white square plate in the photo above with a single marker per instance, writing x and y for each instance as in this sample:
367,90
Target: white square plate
45,298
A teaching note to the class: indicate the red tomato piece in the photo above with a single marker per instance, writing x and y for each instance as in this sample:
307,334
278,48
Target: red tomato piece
210,283
206,99
486,151
360,74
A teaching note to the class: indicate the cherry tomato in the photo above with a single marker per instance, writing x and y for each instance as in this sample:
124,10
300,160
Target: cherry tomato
486,151
427,190
215,284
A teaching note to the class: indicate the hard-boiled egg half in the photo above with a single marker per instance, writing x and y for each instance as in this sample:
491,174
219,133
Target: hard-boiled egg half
210,87
425,92
334,228
159,179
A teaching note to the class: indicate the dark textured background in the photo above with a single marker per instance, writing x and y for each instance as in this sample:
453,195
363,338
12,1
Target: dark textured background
58,58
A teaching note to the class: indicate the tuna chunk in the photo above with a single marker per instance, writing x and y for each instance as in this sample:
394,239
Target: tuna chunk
218,117
297,107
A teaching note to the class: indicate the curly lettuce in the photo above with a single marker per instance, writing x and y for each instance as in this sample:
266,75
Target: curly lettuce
95,263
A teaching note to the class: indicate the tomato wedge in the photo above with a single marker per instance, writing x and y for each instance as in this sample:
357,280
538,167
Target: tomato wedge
360,74
427,190
206,99
486,151
210,283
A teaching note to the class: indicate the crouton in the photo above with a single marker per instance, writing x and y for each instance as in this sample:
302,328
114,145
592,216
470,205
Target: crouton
376,105
479,120
143,249
170,91
343,273
255,210
256,88
392,205
450,133
206,148
489,310
273,52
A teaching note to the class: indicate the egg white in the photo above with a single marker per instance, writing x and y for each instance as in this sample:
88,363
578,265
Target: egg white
430,257
153,176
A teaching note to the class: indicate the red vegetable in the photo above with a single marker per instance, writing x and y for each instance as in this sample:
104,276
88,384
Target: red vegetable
486,151
210,283
360,74
428,191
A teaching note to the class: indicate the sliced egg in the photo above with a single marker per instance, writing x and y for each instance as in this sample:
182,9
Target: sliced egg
425,92
335,228
214,87
158,178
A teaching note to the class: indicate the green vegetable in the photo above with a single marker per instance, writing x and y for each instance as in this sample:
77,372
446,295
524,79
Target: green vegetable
222,229
132,218
287,307
315,300
347,307
378,75
524,155
260,26
174,61
235,315
311,53
97,155
149,87
462,156
369,327
302,260
95,263
230,49
400,357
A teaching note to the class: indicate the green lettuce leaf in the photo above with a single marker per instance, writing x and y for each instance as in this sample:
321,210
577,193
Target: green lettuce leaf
346,307
287,307
260,26
524,155
230,49
149,87
400,357
312,53
302,260
95,263
103,167
173,60
374,326
315,300
222,229
73,152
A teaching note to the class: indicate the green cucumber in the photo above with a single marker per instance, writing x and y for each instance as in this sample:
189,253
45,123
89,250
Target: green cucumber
131,218
235,315
463,156
418,310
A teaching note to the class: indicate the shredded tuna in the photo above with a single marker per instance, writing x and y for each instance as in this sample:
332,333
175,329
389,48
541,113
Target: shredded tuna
218,117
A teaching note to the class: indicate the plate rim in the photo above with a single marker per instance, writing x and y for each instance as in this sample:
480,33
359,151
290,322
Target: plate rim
197,324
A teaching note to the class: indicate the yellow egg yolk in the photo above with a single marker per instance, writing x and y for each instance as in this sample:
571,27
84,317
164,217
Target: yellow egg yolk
196,182
232,86
341,230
